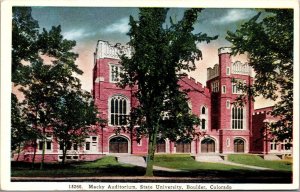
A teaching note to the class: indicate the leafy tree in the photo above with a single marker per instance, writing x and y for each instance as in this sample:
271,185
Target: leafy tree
25,31
268,42
160,53
21,131
75,115
45,85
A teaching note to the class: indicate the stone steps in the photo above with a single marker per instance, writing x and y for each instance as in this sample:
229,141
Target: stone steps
209,158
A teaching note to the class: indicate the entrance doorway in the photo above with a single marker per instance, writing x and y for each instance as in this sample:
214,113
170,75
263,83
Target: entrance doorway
239,146
183,146
160,146
208,146
118,145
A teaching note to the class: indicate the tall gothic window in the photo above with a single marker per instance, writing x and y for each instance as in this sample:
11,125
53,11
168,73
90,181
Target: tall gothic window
118,110
237,118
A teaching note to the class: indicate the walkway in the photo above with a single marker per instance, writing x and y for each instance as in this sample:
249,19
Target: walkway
140,161
218,159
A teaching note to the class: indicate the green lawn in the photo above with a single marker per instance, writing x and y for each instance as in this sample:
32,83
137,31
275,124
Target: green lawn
186,162
247,159
107,166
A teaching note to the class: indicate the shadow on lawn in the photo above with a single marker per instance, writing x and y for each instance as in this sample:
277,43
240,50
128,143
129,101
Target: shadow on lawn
75,169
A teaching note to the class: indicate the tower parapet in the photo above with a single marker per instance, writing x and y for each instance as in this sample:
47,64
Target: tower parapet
106,50
223,50
213,72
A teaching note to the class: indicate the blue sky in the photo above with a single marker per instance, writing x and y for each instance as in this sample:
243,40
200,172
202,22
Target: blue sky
89,24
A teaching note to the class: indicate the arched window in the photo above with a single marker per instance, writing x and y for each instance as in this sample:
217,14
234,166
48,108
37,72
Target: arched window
203,110
118,110
203,117
237,118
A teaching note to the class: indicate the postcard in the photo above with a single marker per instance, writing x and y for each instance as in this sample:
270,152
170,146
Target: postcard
150,95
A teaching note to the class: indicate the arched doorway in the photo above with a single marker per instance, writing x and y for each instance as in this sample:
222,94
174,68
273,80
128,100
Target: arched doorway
208,146
118,145
183,146
161,146
239,146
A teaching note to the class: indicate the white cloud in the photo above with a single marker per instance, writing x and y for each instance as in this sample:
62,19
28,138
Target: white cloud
234,15
121,26
76,34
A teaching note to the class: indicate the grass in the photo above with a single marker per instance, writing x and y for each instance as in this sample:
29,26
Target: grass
247,159
106,166
186,162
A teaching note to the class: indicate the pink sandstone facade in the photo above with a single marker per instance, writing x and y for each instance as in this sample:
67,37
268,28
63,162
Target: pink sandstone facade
224,129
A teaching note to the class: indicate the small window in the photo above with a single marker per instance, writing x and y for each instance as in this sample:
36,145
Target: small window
223,89
60,146
40,145
75,147
139,143
228,142
68,157
228,71
203,110
115,71
69,145
228,104
87,146
48,145
60,157
203,124
75,157
94,138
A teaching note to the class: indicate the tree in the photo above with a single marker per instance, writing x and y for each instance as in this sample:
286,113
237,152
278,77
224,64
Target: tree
45,85
75,115
21,131
25,31
160,53
268,42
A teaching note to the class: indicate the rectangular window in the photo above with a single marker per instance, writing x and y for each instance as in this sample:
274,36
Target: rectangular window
235,88
273,146
139,143
237,118
75,157
224,89
40,145
48,145
228,71
228,142
115,71
75,147
215,86
228,104
87,146
203,123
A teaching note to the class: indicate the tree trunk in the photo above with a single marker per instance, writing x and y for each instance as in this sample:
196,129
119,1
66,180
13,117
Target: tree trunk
151,151
43,149
34,152
64,155
19,150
